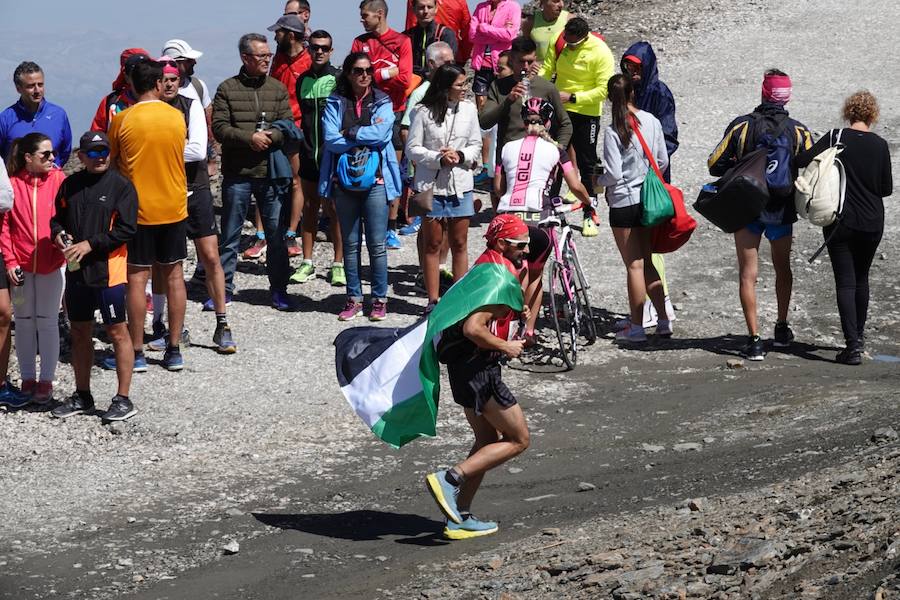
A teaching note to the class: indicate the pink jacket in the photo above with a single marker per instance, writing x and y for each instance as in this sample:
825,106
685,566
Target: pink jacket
495,34
25,234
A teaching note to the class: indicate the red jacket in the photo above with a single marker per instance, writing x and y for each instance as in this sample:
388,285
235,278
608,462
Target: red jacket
287,71
391,49
25,234
453,14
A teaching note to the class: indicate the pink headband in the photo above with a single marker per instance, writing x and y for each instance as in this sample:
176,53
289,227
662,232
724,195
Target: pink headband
776,89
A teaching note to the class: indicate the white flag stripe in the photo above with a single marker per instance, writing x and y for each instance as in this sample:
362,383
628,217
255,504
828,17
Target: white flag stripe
391,379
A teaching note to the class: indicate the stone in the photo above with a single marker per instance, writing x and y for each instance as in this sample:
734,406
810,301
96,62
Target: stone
550,531
125,562
137,578
131,519
606,560
696,504
884,435
514,470
652,448
495,563
687,447
584,486
116,427
304,551
231,547
234,512
734,363
641,576
744,554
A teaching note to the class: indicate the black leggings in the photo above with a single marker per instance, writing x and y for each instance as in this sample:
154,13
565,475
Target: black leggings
851,253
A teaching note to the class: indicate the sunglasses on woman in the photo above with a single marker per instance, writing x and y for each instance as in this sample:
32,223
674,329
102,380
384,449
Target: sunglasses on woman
45,155
359,71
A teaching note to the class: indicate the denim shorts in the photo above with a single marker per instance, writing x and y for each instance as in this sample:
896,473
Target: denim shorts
452,207
773,232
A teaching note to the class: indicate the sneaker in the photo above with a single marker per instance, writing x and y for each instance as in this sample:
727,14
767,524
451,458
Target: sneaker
379,310
305,272
783,335
664,328
140,363
281,300
75,404
444,493
338,276
849,356
755,349
119,409
351,310
483,176
588,228
469,528
28,387
43,394
223,340
391,241
13,398
412,228
256,251
446,275
159,344
570,198
633,334
172,359
293,249
159,329
209,305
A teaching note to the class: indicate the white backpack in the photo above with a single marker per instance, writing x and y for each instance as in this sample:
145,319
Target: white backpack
820,187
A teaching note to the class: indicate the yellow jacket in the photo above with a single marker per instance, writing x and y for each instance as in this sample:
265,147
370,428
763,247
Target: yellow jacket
584,71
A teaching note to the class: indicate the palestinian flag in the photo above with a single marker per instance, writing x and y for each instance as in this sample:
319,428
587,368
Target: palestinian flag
391,377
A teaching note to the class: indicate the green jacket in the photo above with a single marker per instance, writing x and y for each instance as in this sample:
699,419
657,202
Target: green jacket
237,108
584,71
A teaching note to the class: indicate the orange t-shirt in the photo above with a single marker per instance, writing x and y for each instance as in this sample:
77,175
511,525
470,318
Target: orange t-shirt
147,145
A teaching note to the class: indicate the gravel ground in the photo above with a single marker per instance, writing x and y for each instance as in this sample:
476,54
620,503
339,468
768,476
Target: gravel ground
229,431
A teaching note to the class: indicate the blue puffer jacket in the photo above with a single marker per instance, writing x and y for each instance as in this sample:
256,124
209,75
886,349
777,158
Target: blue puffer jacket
377,135
652,94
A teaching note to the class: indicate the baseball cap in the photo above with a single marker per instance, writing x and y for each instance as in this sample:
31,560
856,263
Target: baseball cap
93,139
133,60
291,23
180,49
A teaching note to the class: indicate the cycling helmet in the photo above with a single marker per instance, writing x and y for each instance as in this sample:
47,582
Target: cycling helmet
540,107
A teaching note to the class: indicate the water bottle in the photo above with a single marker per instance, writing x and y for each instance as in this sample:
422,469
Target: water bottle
526,83
20,275
262,124
71,263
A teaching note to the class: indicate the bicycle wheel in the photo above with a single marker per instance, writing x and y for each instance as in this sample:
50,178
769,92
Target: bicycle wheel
587,326
563,311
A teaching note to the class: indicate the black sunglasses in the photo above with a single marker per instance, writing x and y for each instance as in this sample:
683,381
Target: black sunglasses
46,154
318,48
363,71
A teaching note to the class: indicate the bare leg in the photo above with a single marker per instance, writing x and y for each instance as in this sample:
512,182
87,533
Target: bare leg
83,353
628,242
784,278
747,245
137,305
456,239
124,351
652,280
433,230
485,434
311,204
296,193
177,299
208,253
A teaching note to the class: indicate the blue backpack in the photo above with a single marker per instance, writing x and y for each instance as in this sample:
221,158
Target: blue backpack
780,145
358,169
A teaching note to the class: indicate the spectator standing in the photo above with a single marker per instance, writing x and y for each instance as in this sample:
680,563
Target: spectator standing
853,240
745,134
96,217
122,95
391,56
359,118
444,142
546,25
33,262
455,15
243,110
425,32
34,113
313,89
301,9
147,142
582,71
9,395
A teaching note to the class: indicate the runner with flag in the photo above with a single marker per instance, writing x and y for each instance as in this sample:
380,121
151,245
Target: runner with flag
392,377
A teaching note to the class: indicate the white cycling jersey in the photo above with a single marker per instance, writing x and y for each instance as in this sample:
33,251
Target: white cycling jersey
528,164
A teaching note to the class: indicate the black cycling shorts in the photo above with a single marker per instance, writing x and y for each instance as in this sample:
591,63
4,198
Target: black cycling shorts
162,244
626,217
476,379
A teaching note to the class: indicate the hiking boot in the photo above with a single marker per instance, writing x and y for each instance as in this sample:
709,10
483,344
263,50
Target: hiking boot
469,528
633,334
119,409
351,310
75,404
210,306
783,335
444,493
849,356
337,275
391,241
223,340
43,393
664,328
588,228
140,363
305,272
13,398
379,310
172,359
412,228
281,300
159,344
755,349
293,249
256,251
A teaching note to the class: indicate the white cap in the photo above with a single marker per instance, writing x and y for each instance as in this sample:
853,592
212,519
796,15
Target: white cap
180,49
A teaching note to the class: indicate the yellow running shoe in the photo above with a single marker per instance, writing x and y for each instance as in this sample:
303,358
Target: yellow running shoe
469,528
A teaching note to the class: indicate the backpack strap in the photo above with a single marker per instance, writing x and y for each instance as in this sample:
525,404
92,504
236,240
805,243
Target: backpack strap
198,87
636,127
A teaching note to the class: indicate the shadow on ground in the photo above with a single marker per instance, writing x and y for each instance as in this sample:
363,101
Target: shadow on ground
361,525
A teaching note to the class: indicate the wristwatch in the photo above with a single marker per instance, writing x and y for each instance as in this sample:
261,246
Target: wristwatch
572,98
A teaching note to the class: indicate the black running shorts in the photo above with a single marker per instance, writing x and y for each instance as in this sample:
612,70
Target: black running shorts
201,220
82,300
626,217
476,379
309,170
163,244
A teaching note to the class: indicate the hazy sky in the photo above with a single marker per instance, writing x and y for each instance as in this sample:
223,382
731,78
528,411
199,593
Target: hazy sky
78,43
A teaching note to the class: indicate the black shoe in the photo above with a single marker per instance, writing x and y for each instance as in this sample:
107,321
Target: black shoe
755,349
119,410
849,356
172,359
75,404
223,340
783,335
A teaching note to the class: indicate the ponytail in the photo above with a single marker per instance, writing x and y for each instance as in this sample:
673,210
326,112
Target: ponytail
621,93
20,147
540,131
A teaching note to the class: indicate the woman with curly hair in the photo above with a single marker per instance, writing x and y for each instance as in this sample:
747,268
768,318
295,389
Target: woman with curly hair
867,163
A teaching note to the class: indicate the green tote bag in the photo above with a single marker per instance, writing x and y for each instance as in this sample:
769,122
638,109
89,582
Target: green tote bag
656,203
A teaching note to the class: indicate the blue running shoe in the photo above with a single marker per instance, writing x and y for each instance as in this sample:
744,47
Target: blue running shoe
412,228
13,398
140,363
208,306
469,528
281,300
391,241
159,343
484,176
444,493
172,359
